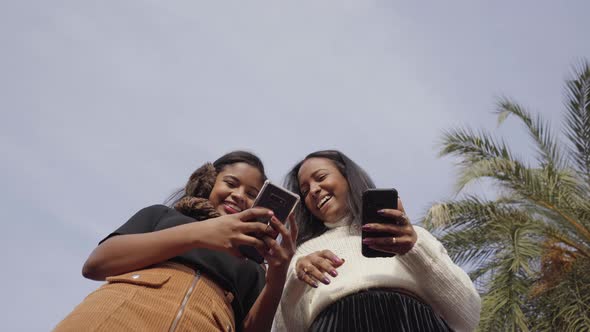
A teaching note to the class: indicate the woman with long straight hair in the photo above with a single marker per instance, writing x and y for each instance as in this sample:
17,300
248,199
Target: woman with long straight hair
331,286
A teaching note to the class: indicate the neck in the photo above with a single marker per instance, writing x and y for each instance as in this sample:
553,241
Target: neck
344,221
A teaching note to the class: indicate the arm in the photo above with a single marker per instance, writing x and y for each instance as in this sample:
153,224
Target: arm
446,286
286,317
261,314
124,253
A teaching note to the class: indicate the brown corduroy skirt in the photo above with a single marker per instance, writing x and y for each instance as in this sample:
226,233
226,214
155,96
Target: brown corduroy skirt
167,297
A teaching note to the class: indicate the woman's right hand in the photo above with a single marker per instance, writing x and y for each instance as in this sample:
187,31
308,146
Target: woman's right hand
228,232
313,267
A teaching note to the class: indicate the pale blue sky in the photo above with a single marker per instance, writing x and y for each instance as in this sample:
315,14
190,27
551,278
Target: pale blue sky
106,107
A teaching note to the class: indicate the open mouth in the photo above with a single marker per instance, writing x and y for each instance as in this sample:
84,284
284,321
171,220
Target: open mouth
231,208
324,201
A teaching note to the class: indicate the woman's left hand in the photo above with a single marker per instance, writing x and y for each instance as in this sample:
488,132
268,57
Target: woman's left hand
279,255
403,237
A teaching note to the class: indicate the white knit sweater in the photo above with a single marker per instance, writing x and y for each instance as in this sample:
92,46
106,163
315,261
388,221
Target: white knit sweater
426,271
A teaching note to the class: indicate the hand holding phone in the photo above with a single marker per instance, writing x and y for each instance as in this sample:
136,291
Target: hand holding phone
373,201
277,199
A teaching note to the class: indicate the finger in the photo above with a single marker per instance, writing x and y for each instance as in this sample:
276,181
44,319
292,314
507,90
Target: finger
251,241
385,228
272,227
286,238
325,265
398,245
278,227
398,216
255,213
388,241
254,227
293,227
307,279
315,272
274,250
400,205
332,257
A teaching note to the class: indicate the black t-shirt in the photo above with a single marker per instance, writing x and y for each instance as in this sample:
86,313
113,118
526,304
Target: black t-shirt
244,278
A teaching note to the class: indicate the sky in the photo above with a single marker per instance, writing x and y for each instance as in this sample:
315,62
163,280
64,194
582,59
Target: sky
108,106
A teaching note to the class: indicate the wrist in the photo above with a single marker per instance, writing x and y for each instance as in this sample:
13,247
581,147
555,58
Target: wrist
198,232
276,277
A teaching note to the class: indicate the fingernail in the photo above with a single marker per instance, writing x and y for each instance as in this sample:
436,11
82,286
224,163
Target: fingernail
366,227
381,211
334,273
336,260
326,280
315,284
367,241
343,260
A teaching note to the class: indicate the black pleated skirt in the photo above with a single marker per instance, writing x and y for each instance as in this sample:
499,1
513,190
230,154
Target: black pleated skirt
378,310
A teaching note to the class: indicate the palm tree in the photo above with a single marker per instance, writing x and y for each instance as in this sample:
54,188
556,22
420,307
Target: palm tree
528,249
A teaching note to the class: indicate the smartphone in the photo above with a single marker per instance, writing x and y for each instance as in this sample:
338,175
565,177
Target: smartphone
277,199
373,201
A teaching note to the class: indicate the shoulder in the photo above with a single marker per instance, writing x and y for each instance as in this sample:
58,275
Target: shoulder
156,209
153,212
423,232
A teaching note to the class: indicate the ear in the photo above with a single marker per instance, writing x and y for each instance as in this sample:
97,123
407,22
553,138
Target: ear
201,182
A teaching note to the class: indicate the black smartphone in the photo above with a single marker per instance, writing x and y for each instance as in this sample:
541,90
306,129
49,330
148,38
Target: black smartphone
277,199
373,201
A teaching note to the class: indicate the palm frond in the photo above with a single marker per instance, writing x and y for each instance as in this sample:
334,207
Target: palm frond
577,117
539,131
472,146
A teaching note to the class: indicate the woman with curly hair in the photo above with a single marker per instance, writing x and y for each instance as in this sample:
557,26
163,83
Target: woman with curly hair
179,268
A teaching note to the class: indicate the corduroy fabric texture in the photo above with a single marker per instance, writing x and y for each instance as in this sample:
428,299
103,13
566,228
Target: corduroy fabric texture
151,300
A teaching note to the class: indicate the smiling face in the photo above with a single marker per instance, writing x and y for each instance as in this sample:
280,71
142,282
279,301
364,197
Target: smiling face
236,187
324,189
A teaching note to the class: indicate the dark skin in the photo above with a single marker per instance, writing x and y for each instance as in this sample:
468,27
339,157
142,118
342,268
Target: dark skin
315,267
320,178
232,195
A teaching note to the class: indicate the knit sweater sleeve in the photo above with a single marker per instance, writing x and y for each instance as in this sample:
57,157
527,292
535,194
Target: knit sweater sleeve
447,287
291,310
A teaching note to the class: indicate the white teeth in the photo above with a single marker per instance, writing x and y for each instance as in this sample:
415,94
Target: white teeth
233,206
323,201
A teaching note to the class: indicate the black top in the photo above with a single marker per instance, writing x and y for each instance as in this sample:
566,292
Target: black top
244,278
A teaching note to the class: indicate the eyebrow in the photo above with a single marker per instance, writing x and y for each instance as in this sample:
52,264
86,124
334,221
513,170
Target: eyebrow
238,180
314,173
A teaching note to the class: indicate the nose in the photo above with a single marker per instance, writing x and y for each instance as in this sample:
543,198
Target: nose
314,190
238,196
